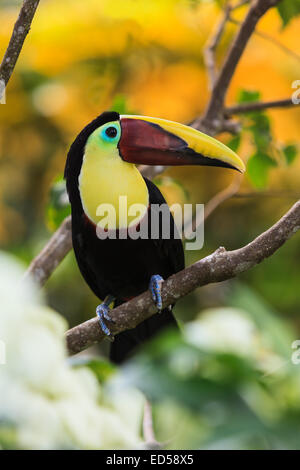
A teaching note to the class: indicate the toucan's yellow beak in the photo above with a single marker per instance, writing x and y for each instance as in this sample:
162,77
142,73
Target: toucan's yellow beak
154,141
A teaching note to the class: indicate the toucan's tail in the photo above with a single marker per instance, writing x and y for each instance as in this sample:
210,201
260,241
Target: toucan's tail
126,342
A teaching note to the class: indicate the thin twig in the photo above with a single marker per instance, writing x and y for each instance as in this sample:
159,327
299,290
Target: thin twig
280,194
20,31
148,431
219,266
210,48
213,116
258,106
213,203
213,42
222,196
52,254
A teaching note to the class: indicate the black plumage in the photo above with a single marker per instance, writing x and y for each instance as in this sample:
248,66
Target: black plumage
121,267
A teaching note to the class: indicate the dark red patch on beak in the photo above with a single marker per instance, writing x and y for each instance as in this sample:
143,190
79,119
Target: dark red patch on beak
149,144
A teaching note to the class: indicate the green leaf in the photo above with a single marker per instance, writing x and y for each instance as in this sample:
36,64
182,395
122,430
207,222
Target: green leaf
248,96
258,169
58,207
261,131
290,153
119,105
287,10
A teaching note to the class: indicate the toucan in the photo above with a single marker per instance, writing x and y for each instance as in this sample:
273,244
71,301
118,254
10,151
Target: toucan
101,167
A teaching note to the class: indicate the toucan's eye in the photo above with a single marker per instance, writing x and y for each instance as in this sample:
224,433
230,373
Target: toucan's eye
111,132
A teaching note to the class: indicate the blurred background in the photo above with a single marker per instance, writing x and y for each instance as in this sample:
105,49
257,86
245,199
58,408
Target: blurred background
146,57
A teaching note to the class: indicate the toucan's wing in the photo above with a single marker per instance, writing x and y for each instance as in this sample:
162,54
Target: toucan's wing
170,249
82,257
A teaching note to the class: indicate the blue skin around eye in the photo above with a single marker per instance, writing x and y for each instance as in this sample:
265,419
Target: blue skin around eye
107,138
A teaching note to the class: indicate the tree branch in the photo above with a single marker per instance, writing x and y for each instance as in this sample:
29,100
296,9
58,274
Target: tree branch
213,116
218,199
148,430
223,195
20,31
210,49
258,106
219,266
213,42
43,265
274,194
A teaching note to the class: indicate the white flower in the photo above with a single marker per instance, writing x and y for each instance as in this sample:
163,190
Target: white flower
231,330
223,329
45,404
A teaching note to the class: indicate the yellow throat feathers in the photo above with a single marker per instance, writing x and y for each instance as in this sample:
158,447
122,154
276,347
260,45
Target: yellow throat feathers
103,179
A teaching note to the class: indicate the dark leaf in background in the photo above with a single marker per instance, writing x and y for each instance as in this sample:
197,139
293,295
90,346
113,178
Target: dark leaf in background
258,169
290,153
287,10
259,125
58,207
261,131
248,96
120,105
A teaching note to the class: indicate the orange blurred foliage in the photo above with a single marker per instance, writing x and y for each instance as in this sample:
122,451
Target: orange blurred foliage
80,55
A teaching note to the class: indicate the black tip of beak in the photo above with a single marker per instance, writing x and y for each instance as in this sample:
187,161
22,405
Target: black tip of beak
194,158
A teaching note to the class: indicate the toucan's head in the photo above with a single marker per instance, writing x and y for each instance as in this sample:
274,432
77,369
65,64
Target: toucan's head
101,161
154,141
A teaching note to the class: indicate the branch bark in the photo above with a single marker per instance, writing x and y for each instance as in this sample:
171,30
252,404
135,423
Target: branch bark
213,117
210,49
20,31
258,106
214,40
148,429
43,265
219,266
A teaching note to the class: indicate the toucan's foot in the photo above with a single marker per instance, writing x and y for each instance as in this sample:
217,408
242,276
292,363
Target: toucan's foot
102,312
155,289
